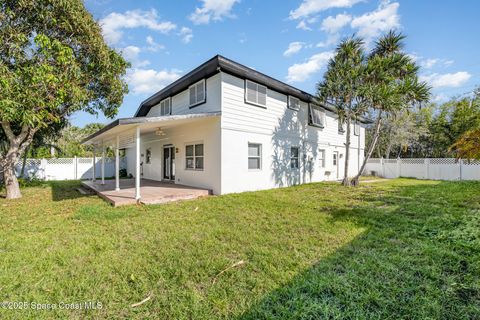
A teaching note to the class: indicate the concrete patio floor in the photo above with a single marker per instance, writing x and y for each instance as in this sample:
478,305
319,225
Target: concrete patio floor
151,191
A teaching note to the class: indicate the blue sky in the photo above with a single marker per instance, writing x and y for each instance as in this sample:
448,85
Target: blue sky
288,40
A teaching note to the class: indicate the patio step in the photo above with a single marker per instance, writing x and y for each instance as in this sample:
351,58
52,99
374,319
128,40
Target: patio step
85,191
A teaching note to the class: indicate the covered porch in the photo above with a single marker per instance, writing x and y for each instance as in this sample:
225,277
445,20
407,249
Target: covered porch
153,192
147,168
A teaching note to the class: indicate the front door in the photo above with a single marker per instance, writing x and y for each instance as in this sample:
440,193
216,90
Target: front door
169,163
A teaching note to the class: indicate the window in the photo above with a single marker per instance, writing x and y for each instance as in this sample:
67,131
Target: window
293,103
335,155
317,116
321,157
294,152
254,156
148,155
166,107
255,94
341,125
194,156
197,93
356,128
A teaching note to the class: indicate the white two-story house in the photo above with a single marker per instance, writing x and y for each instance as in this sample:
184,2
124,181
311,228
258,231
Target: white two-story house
229,128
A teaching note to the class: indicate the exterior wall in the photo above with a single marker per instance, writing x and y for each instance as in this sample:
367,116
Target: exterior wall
277,128
206,131
180,101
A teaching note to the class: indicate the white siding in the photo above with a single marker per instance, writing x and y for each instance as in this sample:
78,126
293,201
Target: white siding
277,128
180,101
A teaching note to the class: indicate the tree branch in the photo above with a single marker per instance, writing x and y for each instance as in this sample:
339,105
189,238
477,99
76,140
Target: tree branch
8,131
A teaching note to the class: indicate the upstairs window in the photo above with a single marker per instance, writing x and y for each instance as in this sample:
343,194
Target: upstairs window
194,156
166,107
255,94
316,116
294,160
197,93
293,103
356,128
254,156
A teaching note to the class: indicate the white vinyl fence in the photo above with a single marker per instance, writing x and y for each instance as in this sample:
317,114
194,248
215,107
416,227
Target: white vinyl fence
425,168
67,168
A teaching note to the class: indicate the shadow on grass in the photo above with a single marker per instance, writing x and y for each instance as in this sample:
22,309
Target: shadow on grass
65,190
419,258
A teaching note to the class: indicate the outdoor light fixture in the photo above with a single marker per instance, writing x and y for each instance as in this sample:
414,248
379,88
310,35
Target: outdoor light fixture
159,132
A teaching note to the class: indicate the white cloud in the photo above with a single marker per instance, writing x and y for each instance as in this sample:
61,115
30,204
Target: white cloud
303,25
300,72
331,39
293,47
429,63
311,7
439,98
214,10
114,23
152,45
142,81
372,24
186,34
131,53
432,62
334,24
454,80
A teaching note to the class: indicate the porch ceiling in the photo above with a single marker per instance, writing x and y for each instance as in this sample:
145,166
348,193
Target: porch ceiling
125,127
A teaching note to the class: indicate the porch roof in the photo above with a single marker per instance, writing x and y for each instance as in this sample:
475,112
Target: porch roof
147,124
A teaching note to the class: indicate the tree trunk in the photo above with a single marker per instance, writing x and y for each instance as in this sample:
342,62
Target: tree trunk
346,180
11,182
389,150
24,162
17,145
356,180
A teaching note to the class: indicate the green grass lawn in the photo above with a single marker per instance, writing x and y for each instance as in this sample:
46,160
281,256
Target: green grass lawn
386,250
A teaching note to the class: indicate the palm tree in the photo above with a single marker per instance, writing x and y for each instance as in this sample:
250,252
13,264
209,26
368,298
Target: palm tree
391,85
341,87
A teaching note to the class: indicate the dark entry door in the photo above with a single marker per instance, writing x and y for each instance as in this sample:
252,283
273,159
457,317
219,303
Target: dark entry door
169,163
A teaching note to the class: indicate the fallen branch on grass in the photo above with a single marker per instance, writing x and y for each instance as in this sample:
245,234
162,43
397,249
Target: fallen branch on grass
236,264
142,302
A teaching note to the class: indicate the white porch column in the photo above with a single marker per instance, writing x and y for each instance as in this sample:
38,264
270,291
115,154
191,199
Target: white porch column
137,164
103,163
94,164
117,165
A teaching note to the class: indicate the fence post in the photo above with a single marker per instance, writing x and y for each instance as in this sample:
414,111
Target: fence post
383,167
427,164
75,167
43,166
398,167
460,164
